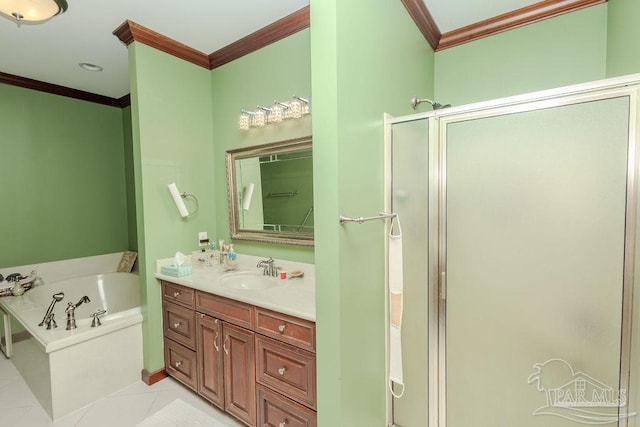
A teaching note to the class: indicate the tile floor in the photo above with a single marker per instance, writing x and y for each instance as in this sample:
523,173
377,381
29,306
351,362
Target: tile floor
127,407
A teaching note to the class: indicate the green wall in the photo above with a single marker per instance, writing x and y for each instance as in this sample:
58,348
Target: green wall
623,49
367,58
130,179
564,50
63,178
286,176
276,72
172,142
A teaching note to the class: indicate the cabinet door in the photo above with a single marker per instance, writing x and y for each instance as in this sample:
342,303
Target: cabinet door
239,373
210,360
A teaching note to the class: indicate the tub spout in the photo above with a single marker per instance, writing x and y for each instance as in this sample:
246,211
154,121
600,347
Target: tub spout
71,312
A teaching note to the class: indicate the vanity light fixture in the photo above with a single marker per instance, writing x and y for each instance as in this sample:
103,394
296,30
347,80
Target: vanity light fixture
276,113
31,11
259,117
305,104
244,121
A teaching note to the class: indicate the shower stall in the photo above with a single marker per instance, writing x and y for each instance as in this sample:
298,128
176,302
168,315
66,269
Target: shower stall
520,220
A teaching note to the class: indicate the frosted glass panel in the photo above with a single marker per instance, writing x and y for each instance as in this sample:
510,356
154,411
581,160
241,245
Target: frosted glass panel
410,171
535,246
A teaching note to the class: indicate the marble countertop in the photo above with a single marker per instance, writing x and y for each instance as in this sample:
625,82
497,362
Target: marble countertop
295,297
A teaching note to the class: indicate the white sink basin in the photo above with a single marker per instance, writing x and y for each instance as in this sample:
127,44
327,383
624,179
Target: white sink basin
248,281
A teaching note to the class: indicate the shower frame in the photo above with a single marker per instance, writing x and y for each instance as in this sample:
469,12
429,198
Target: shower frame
627,86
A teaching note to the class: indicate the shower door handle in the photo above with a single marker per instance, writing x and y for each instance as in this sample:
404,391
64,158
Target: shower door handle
443,286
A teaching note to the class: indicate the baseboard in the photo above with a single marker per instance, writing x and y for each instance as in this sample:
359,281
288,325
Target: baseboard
150,378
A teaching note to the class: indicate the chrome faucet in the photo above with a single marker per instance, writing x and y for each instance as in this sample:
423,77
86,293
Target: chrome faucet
96,319
269,268
71,312
48,316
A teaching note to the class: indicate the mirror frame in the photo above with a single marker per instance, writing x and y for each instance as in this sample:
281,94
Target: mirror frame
279,147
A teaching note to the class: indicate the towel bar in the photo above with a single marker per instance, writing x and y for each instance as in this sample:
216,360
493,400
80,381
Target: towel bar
360,220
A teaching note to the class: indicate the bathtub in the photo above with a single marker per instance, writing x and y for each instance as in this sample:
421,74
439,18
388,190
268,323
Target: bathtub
69,369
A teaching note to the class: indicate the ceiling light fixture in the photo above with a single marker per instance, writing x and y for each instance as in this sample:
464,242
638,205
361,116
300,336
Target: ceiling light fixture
89,67
31,11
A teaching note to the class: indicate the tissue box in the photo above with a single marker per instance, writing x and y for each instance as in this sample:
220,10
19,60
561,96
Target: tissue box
172,270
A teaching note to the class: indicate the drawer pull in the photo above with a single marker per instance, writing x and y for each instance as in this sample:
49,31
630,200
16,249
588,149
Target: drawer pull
176,294
284,423
282,370
177,325
281,328
178,363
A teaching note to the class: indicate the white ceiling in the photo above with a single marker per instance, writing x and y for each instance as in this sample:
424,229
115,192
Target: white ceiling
51,52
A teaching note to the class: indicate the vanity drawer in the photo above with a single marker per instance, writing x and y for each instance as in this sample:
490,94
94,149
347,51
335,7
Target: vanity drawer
181,363
178,294
292,330
179,324
278,411
232,311
287,369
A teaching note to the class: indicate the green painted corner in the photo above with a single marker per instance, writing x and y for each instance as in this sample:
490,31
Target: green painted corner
623,31
560,51
63,178
276,72
172,142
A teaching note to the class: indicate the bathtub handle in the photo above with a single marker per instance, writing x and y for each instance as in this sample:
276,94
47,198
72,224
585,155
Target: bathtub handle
224,345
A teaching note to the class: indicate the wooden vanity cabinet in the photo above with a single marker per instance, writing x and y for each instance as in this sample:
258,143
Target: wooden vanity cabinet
210,360
256,364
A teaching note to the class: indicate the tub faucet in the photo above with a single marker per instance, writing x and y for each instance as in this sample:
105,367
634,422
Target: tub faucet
48,316
96,319
71,312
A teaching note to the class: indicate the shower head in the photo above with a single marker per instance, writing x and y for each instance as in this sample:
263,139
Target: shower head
58,297
435,105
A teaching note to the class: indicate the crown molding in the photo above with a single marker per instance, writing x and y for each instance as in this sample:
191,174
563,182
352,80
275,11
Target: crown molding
518,18
130,31
272,33
38,85
423,19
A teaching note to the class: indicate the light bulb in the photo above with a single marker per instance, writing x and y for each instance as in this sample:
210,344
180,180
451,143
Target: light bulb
296,109
243,121
259,118
276,113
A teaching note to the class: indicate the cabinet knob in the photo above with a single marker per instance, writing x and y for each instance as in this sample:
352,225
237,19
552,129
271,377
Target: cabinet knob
176,325
281,328
282,370
176,294
178,363
284,423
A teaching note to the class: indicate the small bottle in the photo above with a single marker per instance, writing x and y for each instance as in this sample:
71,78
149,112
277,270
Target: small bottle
231,263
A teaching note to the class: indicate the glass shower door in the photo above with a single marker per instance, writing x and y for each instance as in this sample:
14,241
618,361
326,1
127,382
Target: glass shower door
535,206
409,154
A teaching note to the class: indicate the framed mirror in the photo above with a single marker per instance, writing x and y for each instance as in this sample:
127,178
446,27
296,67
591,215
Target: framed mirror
270,190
